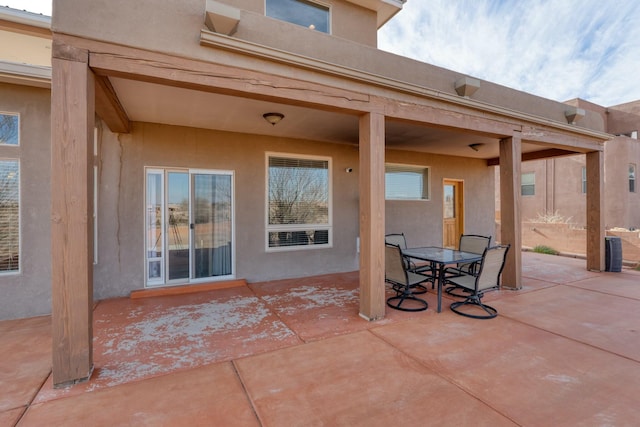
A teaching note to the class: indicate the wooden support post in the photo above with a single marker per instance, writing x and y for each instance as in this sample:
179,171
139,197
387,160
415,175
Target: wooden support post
72,123
510,225
595,211
372,211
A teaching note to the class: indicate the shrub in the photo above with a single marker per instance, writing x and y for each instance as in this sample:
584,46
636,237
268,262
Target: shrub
542,249
552,218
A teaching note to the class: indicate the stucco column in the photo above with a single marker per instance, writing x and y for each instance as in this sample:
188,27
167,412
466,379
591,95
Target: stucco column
595,211
72,123
372,211
510,209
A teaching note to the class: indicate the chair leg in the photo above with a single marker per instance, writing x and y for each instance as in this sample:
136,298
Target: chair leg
415,289
474,300
404,294
453,291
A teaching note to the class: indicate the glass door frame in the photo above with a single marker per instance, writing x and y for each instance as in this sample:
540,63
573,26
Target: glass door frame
161,262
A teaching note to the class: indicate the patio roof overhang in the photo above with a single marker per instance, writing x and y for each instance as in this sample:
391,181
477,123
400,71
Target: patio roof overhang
125,84
203,95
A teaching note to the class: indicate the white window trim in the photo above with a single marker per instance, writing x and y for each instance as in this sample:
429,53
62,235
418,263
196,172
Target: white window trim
19,270
302,227
534,184
428,189
164,281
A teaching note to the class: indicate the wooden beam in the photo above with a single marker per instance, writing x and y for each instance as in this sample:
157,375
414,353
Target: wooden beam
510,222
372,216
223,79
595,211
109,108
72,123
455,119
581,143
536,155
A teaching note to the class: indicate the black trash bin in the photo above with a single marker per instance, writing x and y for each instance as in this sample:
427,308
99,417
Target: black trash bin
613,254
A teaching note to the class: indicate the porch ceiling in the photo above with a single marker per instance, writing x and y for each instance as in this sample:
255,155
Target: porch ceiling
155,103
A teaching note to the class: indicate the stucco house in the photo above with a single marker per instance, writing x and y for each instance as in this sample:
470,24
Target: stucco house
558,186
191,141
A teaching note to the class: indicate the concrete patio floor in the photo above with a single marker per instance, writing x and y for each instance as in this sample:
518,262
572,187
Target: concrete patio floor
564,351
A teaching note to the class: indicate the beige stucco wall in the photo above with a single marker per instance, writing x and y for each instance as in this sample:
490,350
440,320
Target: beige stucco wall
28,293
622,206
421,221
121,220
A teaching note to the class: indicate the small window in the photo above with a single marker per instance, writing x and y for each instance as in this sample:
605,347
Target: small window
632,178
9,216
403,182
301,12
584,180
528,184
298,202
9,129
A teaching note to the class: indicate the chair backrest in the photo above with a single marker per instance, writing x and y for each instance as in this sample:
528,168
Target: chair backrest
394,270
397,239
491,267
474,243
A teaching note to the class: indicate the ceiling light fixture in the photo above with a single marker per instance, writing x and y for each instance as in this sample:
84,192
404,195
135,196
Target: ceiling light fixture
273,118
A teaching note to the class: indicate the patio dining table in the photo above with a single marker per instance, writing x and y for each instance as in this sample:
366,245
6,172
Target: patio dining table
439,259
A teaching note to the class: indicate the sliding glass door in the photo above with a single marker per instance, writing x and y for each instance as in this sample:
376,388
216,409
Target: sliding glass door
189,226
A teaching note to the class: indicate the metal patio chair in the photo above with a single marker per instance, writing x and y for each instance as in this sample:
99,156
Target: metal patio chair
403,281
487,277
473,243
399,239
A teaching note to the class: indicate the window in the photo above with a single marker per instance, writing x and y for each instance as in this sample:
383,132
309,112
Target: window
403,182
632,178
528,184
301,12
9,129
9,216
298,202
584,180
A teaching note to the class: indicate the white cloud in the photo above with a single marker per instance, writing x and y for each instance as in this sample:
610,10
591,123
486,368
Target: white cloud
556,49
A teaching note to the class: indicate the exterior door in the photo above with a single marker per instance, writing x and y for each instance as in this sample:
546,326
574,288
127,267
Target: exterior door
453,213
189,226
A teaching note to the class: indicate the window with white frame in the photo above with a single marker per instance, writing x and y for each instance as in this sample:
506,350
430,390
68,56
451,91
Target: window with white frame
406,182
584,180
298,202
9,129
632,178
9,215
528,184
306,13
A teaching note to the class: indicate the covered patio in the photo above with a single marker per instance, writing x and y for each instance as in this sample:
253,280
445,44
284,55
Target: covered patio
563,350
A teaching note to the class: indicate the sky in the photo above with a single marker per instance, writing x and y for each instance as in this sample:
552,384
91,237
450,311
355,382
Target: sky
557,49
